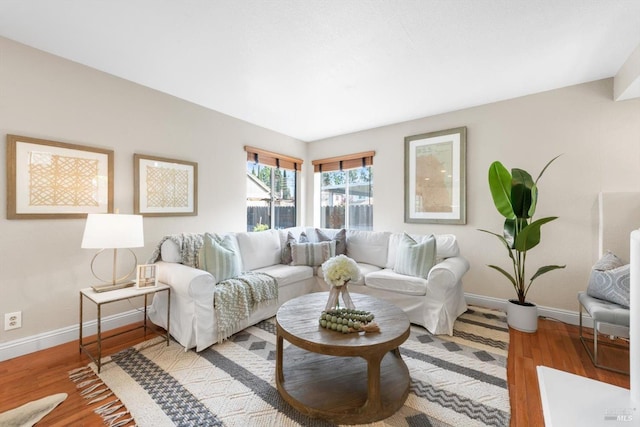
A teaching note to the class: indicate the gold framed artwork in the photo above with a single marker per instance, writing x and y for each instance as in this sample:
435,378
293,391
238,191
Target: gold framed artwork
164,187
50,179
146,276
435,177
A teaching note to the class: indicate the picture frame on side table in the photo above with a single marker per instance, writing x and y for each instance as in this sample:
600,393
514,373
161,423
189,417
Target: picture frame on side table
435,177
55,180
164,187
146,276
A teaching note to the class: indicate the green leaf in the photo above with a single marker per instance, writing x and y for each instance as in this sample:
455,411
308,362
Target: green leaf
546,166
509,276
521,185
545,269
529,236
540,272
504,242
534,200
509,231
500,186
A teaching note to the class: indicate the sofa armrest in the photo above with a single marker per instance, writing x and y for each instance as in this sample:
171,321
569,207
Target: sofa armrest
185,281
448,273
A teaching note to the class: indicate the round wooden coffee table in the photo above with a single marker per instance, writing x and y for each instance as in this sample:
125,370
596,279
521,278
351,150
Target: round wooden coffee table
367,382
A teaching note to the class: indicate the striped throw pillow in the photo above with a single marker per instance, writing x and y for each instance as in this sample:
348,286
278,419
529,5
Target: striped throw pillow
415,259
312,254
220,256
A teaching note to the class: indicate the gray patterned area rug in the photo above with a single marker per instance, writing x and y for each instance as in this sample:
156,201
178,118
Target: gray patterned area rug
455,381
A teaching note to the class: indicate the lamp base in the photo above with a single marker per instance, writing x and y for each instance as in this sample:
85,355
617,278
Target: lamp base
111,286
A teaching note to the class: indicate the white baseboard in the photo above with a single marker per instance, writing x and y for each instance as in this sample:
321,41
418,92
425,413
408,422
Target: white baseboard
566,316
34,343
26,345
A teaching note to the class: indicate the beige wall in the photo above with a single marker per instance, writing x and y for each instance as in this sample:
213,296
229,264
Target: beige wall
600,143
42,266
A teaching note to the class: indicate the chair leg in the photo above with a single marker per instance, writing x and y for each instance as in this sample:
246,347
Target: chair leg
596,328
594,342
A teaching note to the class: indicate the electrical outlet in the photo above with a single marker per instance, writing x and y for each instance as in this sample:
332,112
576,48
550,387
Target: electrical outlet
12,320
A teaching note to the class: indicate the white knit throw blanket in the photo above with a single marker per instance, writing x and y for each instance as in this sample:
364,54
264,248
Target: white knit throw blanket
235,299
188,243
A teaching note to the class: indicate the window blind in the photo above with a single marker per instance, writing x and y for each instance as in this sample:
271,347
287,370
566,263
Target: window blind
269,158
350,161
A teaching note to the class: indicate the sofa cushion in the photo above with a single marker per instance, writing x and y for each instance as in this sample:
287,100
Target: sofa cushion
415,259
389,280
285,257
220,256
340,238
364,270
312,254
259,248
287,274
369,247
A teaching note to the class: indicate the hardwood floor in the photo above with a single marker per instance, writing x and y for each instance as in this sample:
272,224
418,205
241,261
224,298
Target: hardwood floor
555,345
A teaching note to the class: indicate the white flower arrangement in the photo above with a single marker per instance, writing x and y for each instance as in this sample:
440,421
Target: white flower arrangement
339,270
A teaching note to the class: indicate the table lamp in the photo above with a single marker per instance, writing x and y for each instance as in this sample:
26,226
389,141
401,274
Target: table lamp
113,231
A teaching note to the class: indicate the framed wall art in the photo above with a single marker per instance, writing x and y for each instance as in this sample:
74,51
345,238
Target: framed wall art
50,180
146,276
434,175
164,187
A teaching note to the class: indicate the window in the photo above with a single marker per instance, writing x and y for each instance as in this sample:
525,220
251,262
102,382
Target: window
271,190
346,191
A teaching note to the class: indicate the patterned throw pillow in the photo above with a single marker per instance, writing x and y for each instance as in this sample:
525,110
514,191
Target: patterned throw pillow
312,254
609,261
220,256
340,239
610,280
285,255
415,259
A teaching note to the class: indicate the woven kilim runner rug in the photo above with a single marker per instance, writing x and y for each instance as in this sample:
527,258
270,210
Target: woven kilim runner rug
455,381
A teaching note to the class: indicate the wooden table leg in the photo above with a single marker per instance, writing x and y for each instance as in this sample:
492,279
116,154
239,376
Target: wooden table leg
279,346
374,402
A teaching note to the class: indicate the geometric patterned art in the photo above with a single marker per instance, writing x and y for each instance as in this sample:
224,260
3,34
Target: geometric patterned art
167,187
56,180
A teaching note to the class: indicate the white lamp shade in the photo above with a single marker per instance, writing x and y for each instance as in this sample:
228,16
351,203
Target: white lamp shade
106,231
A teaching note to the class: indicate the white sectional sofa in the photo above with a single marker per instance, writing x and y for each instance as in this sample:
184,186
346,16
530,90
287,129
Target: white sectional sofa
433,302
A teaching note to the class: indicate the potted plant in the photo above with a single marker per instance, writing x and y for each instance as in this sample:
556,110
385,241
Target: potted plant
515,196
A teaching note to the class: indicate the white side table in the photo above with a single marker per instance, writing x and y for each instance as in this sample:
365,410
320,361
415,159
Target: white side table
101,298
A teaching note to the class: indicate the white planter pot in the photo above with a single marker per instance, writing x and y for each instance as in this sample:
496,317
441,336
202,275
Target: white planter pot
523,318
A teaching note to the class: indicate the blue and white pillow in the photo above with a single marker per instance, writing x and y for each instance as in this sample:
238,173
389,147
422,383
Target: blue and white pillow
415,259
610,280
220,256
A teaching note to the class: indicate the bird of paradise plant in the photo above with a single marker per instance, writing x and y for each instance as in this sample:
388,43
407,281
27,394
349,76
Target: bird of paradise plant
515,196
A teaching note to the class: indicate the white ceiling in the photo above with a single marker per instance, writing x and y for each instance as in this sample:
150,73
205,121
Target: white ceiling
318,68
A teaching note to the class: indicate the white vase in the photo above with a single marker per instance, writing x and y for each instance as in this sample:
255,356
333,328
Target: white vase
523,318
